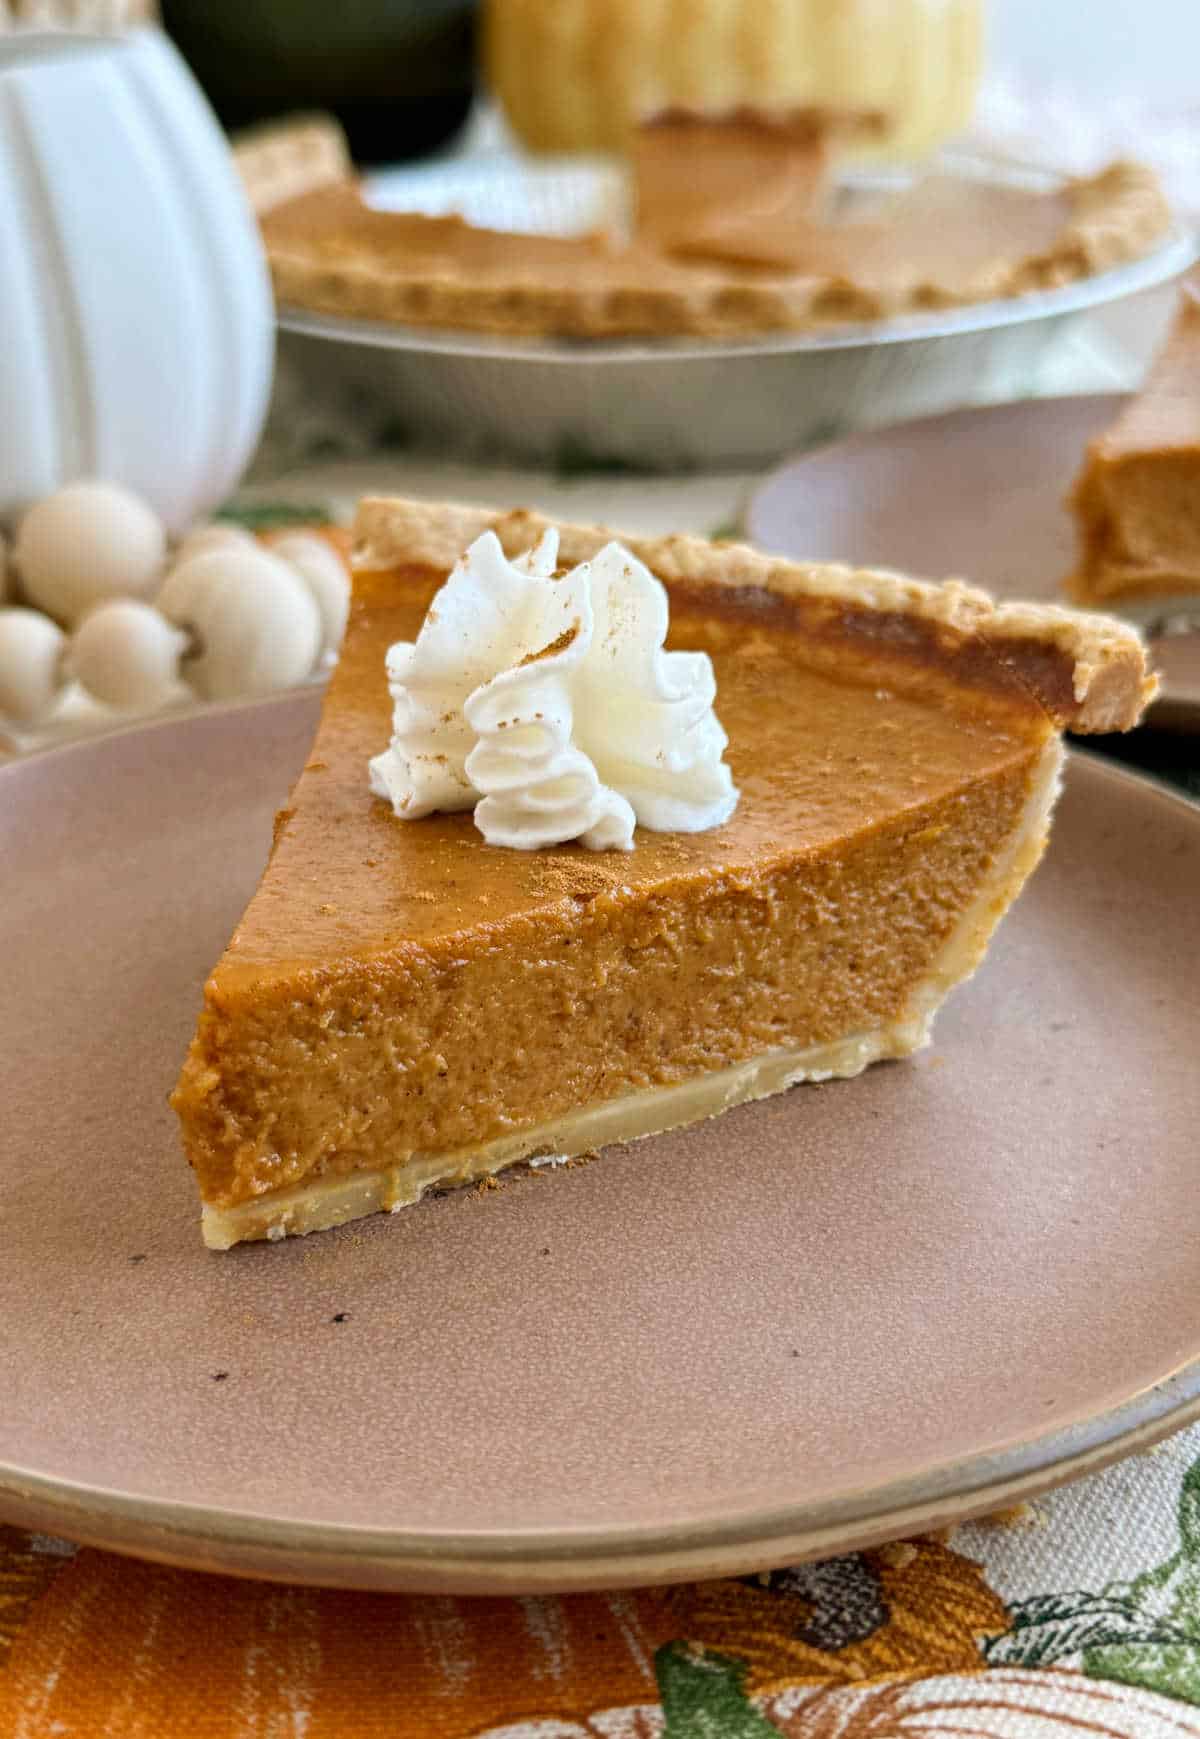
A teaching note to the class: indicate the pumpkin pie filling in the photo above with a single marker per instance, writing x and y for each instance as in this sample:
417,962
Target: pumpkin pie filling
737,182
1137,499
404,1004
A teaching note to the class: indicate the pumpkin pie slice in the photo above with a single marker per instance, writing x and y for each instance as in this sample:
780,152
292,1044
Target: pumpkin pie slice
733,236
404,1005
1137,499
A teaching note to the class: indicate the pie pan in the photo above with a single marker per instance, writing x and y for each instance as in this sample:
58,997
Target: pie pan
677,404
856,1311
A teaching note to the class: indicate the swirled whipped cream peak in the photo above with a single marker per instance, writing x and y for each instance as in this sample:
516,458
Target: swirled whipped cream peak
548,705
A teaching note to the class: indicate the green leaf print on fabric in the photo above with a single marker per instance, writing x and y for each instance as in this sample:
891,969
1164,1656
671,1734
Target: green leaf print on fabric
1144,1633
1169,1596
1055,1627
702,1697
1173,1669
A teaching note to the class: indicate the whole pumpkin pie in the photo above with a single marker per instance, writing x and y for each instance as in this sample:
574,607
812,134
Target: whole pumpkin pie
1137,499
736,230
405,1004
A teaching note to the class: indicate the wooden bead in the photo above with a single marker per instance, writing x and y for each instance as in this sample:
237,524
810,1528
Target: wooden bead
216,535
254,624
127,656
324,573
174,597
31,674
87,542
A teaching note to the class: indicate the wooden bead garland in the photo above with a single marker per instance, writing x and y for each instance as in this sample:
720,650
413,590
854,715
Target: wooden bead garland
231,618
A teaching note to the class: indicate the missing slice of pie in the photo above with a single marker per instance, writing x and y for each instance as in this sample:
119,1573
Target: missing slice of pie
1137,499
404,1004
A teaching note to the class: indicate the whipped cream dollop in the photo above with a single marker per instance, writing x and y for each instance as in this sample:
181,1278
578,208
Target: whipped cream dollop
549,706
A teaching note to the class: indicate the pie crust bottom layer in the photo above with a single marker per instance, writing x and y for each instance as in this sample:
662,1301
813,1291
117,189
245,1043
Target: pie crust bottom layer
332,1200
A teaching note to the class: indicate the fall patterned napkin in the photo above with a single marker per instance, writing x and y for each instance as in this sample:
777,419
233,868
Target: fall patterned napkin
1076,1618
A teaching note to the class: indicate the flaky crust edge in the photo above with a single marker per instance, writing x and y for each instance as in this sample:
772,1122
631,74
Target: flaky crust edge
1117,215
1109,682
280,160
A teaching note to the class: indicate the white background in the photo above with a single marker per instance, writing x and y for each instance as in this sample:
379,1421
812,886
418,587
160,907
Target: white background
1149,48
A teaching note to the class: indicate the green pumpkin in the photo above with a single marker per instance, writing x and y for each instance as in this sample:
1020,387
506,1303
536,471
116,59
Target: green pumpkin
398,74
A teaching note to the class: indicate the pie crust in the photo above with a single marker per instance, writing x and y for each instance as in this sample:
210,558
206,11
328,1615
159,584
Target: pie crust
282,159
1087,671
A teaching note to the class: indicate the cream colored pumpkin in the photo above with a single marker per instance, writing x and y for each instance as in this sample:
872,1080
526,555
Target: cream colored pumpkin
575,75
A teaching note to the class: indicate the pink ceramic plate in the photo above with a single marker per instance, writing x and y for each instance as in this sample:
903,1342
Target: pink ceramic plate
849,1313
978,493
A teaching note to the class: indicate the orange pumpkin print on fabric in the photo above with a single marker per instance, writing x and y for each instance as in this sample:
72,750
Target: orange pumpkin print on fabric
27,1568
1005,1703
917,1608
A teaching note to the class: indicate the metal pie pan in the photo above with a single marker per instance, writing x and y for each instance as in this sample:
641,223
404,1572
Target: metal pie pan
689,404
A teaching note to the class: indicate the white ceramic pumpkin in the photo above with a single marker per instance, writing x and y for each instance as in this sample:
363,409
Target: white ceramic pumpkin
136,325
